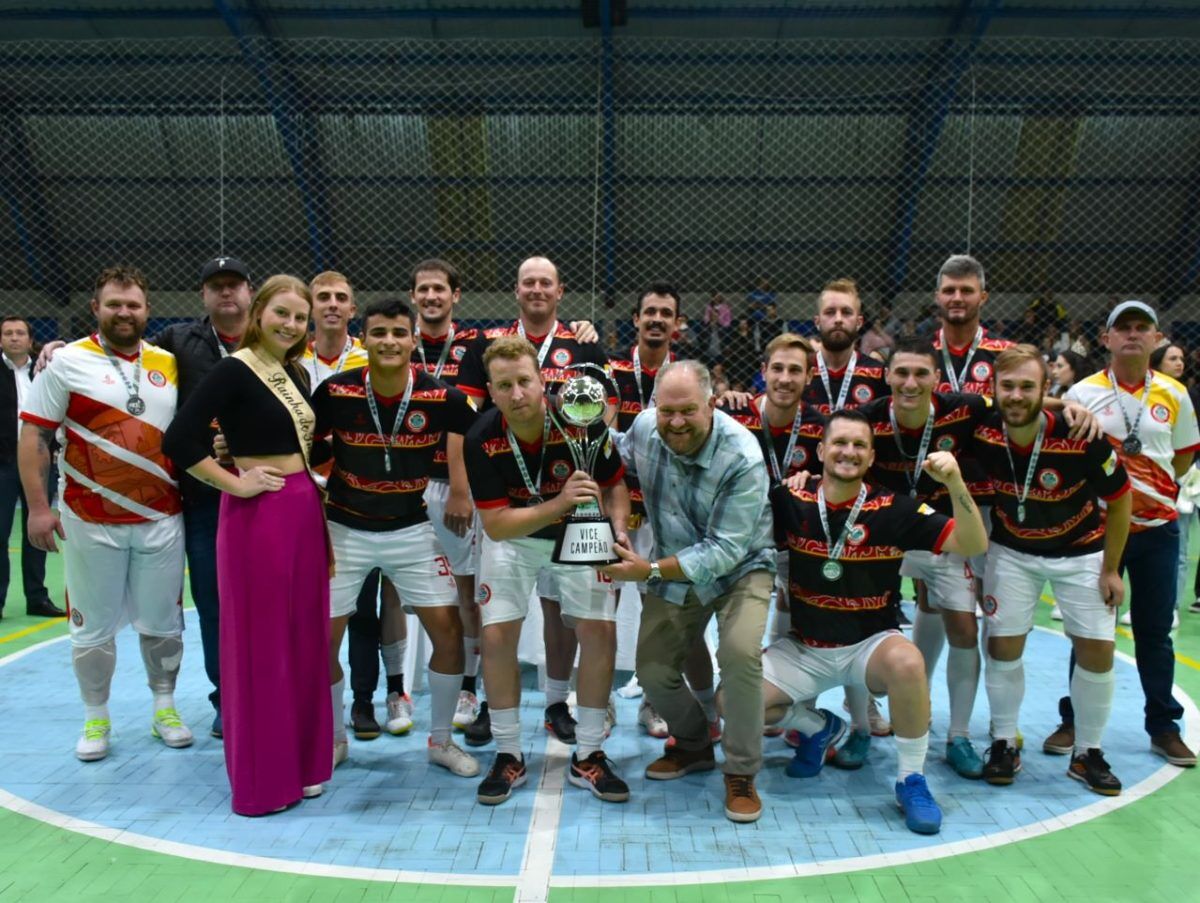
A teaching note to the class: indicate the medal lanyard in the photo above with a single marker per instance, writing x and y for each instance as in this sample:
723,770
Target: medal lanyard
637,378
835,552
338,368
442,358
1030,470
400,411
956,379
133,404
1131,429
546,342
535,489
221,349
823,371
779,471
922,449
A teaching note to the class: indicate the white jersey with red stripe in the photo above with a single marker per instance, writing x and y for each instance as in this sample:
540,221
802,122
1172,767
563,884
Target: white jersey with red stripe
1167,427
352,356
114,467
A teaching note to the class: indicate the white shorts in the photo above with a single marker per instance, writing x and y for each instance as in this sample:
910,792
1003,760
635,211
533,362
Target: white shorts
949,578
805,672
411,558
642,541
121,574
510,569
459,549
1013,582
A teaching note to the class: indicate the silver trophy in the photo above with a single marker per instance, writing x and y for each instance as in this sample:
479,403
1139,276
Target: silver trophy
587,535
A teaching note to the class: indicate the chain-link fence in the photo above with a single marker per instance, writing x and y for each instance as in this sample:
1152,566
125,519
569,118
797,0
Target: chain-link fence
1070,167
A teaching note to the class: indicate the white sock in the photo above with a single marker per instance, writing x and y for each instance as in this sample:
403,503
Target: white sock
1005,689
443,698
589,730
962,679
708,702
857,701
470,656
164,701
393,657
1091,696
557,691
929,635
506,729
95,713
910,755
337,694
802,717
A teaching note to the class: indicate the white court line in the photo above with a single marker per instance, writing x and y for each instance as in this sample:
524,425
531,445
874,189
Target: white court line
536,873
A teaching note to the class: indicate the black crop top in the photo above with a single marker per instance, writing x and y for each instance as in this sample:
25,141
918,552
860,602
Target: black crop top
253,420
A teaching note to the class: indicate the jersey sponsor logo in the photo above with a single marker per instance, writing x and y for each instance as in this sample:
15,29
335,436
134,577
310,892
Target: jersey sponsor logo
560,469
989,605
416,421
945,443
1049,478
561,356
483,595
981,371
458,352
858,535
863,394
1160,412
156,378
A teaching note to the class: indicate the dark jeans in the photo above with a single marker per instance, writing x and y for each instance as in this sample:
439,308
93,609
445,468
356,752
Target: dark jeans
1151,558
33,561
200,541
364,628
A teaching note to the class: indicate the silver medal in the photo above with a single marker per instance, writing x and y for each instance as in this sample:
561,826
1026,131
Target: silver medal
135,405
831,570
1132,445
1020,514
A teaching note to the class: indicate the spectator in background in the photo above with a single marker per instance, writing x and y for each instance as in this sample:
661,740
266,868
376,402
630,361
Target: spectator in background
876,341
684,340
1078,341
717,319
1169,358
1066,369
1027,332
759,300
1047,312
928,322
771,326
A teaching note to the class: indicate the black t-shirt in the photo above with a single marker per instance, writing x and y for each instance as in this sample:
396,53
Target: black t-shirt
496,480
955,417
867,382
865,599
977,375
804,455
629,404
1062,512
433,349
363,494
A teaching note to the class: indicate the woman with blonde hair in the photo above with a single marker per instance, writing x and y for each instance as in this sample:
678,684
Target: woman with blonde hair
272,554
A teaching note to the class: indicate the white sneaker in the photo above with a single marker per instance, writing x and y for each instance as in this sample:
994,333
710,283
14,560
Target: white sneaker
453,757
400,709
1127,618
341,751
632,689
652,721
93,742
1056,614
169,728
610,716
880,726
466,712
312,791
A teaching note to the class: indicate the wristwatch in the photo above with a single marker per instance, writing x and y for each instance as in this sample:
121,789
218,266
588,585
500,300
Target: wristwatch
655,575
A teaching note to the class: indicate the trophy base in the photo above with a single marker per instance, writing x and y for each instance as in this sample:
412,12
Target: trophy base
585,540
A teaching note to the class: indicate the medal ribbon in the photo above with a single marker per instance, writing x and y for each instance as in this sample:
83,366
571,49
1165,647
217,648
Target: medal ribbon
922,449
337,369
956,379
400,412
535,489
131,386
1131,429
546,342
1030,470
220,345
445,355
835,552
637,378
778,471
823,371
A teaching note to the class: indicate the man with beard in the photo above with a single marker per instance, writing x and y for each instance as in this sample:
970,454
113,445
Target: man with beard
1047,526
841,378
115,394
845,542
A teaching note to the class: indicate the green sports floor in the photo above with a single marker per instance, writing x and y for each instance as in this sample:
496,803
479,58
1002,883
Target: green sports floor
1148,849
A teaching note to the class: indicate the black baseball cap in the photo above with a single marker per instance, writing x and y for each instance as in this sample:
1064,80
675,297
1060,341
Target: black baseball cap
224,265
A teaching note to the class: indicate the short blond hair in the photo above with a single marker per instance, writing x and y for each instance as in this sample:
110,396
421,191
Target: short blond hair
788,340
843,285
1015,356
329,277
509,348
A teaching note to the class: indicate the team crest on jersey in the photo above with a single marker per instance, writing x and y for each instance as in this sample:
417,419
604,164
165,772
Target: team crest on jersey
561,357
924,509
945,443
981,371
458,352
1160,413
416,421
1110,465
1050,479
989,605
560,469
863,394
76,617
156,378
857,535
799,457
483,595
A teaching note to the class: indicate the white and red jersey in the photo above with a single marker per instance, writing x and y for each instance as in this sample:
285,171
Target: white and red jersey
115,469
1166,428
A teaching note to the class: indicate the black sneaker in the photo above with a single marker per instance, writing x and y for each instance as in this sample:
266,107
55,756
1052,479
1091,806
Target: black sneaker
595,773
1002,764
507,773
362,721
479,731
1091,769
560,723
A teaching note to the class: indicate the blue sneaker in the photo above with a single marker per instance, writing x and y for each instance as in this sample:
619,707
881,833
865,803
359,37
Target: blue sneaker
813,751
963,758
921,813
853,754
217,730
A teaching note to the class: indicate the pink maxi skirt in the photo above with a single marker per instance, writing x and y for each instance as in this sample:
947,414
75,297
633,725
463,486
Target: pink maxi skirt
273,579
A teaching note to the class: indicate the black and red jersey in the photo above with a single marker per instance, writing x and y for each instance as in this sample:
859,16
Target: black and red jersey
955,417
363,493
426,357
865,599
629,404
804,454
975,375
495,476
867,382
1062,512
565,352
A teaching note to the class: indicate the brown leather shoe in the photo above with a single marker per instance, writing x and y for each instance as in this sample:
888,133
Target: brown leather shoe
1061,742
1171,747
677,762
741,799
